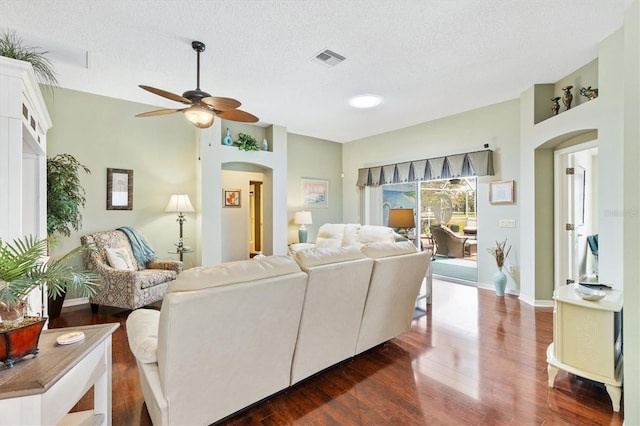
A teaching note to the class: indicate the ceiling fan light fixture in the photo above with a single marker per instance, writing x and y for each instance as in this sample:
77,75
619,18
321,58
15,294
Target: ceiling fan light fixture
365,101
200,116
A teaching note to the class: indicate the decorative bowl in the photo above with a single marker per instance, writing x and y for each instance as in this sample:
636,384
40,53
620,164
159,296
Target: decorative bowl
589,293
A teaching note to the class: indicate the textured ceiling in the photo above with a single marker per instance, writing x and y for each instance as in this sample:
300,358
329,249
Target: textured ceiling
426,58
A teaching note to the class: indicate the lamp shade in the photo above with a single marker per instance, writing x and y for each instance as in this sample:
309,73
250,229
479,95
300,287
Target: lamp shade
401,218
179,203
303,218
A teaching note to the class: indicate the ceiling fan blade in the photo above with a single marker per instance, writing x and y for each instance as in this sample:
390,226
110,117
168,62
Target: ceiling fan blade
166,94
238,115
221,104
159,112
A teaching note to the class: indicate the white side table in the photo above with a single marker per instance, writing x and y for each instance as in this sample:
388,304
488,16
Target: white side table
42,390
587,339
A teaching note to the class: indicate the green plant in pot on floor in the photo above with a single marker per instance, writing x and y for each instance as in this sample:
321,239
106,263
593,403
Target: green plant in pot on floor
65,198
24,267
500,252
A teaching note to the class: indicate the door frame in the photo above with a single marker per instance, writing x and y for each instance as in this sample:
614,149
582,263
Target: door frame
564,250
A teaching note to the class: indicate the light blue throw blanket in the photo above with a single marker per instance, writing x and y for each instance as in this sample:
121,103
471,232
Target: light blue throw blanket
142,251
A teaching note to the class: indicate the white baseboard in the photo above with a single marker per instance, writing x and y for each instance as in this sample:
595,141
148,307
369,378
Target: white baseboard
492,287
75,302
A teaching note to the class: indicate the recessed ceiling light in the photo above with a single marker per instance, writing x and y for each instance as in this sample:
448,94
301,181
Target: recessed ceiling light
365,101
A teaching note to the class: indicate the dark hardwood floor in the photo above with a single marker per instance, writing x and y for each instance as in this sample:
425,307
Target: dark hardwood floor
473,359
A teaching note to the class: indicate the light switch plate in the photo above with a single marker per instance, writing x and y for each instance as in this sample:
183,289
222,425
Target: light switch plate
507,223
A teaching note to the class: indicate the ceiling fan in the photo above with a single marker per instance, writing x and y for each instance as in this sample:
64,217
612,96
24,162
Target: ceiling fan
203,107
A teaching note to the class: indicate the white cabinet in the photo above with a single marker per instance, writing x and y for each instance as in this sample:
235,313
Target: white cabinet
587,339
24,122
42,390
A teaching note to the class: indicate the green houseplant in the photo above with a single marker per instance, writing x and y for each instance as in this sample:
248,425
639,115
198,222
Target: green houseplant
65,195
65,198
12,46
247,142
23,269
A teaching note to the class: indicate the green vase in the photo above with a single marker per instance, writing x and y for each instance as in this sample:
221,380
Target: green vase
500,281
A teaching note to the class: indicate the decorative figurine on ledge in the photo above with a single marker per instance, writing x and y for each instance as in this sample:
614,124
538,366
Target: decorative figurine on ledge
567,97
555,106
589,92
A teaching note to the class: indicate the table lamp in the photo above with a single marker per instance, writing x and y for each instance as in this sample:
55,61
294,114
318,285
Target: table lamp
302,218
180,204
402,219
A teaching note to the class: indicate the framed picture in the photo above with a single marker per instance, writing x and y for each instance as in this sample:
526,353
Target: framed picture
231,197
501,192
119,189
315,193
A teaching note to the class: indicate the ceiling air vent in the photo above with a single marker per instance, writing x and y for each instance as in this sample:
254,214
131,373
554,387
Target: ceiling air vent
327,57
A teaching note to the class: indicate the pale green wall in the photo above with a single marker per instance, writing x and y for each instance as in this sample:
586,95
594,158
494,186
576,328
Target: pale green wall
317,159
496,125
102,132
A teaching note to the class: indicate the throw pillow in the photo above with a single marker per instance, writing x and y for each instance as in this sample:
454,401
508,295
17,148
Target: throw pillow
119,258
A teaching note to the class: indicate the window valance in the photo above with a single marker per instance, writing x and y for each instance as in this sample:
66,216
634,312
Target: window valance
478,163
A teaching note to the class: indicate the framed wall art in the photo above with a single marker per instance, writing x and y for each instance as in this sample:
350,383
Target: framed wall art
315,193
231,197
119,189
501,192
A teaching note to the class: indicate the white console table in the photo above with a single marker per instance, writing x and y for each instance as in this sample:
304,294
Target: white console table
587,339
42,390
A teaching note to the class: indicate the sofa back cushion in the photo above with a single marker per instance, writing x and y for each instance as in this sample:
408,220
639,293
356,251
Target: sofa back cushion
326,255
233,272
330,235
380,250
351,235
224,347
376,234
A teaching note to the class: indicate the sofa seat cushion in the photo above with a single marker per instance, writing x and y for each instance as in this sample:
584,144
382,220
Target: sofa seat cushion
233,272
142,333
153,277
325,255
380,250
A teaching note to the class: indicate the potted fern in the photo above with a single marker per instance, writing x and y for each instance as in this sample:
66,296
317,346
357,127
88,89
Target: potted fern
24,267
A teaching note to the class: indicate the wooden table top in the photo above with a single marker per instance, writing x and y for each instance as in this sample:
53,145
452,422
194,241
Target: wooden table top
31,376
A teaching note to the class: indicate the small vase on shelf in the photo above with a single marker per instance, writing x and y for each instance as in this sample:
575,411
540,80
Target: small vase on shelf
265,145
500,281
227,139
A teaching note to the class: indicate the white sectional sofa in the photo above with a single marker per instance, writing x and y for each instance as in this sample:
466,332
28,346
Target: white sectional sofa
231,335
347,235
336,292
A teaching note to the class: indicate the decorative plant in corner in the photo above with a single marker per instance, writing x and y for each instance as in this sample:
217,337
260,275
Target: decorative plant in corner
247,142
12,46
65,197
500,254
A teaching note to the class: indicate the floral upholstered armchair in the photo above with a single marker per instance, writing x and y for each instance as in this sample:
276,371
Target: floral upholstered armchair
124,282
